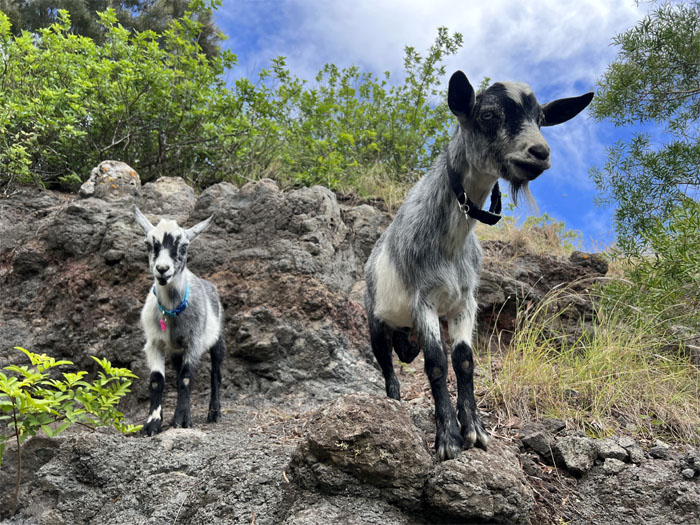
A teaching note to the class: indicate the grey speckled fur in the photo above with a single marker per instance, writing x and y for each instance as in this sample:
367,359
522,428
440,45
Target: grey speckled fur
426,264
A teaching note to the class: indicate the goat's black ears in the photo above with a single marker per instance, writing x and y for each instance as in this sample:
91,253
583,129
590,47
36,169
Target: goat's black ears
563,109
143,221
198,228
460,96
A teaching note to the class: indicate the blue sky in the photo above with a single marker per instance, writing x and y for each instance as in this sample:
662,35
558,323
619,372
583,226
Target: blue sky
559,47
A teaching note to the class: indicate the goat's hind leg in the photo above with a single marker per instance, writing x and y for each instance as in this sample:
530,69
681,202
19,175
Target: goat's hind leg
185,378
472,428
404,347
380,335
217,356
448,441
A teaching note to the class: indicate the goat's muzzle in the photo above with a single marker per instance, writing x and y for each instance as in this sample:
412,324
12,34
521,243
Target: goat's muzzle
531,169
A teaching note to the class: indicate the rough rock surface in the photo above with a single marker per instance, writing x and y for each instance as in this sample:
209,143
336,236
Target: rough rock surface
111,180
347,444
511,280
307,434
75,275
575,453
609,448
480,486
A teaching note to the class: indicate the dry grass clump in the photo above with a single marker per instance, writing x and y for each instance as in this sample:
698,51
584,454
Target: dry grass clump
623,374
538,234
376,185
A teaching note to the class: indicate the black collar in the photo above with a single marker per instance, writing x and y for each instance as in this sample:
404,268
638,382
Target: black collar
470,209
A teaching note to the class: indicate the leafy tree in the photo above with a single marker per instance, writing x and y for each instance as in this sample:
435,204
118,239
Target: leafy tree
158,103
665,285
135,15
350,121
654,82
153,101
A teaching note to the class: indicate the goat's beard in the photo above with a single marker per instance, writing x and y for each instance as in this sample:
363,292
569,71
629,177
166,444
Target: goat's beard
521,189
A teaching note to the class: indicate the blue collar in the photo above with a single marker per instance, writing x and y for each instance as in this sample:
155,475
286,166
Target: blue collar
177,311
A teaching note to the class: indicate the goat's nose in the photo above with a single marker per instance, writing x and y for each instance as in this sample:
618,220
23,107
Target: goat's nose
162,268
539,151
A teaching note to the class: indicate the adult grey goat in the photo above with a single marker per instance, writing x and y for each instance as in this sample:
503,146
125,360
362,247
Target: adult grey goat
426,264
182,317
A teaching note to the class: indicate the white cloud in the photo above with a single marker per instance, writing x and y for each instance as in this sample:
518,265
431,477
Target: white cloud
544,42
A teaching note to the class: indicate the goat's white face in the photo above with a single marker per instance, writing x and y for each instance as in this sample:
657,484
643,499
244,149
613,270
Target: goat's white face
167,250
502,127
167,245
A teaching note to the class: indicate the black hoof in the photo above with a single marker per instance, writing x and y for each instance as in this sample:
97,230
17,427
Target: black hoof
214,416
182,421
393,389
473,431
448,442
151,428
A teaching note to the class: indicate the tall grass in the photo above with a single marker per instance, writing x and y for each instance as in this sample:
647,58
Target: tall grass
622,373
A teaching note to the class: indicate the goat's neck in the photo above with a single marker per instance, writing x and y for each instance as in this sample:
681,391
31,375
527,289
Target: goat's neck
478,187
170,296
477,184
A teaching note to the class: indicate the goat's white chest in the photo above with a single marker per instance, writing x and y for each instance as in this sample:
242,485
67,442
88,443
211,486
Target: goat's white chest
150,321
393,299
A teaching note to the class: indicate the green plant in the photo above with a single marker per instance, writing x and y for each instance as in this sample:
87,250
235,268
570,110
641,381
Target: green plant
32,400
349,122
666,283
152,100
135,15
554,232
158,103
653,84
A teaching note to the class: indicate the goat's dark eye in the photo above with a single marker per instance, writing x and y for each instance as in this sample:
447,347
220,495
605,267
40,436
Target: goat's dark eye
149,247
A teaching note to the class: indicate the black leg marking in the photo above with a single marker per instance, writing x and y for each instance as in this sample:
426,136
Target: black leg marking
154,423
448,441
473,431
185,378
380,337
404,347
217,356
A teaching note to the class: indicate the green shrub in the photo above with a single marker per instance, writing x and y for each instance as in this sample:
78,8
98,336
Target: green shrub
353,121
153,101
31,400
158,103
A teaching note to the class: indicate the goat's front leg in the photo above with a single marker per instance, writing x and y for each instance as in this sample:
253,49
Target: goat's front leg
156,363
448,441
461,327
185,378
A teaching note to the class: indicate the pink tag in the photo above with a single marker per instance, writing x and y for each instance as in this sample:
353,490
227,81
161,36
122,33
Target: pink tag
162,325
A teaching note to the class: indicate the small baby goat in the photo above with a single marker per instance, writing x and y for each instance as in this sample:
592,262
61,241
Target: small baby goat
182,317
